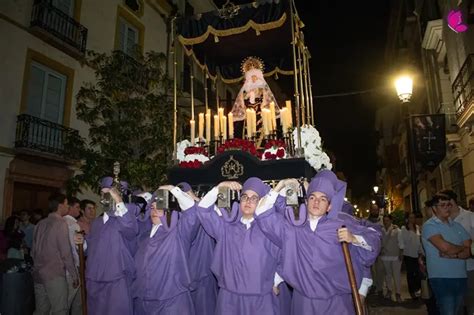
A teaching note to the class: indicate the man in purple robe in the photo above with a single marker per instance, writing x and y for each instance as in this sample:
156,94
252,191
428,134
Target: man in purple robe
204,284
110,267
162,284
244,259
313,262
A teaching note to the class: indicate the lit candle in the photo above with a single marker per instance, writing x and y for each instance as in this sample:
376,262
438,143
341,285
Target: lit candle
201,126
284,119
266,121
221,114
224,128
231,125
290,115
248,121
208,126
254,122
216,127
272,116
193,125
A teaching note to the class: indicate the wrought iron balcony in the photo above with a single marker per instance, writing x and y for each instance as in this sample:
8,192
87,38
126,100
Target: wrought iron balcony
37,134
463,87
54,21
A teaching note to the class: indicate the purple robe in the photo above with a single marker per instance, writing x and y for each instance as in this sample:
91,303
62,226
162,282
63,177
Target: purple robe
244,264
110,267
162,284
204,284
313,263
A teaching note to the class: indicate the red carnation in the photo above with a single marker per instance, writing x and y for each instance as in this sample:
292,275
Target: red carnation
280,153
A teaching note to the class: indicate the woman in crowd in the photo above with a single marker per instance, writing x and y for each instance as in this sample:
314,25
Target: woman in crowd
411,243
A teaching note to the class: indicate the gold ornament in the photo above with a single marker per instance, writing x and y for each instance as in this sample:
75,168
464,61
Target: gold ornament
250,63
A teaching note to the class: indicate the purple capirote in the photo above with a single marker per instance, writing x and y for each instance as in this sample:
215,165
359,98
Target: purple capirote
257,185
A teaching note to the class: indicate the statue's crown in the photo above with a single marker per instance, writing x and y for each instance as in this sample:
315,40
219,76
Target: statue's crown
250,63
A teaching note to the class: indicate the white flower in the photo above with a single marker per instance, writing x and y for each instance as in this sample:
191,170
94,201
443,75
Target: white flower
180,147
273,150
200,157
311,142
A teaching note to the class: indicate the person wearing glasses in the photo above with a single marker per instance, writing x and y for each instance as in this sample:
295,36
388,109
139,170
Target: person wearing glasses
244,260
312,258
447,246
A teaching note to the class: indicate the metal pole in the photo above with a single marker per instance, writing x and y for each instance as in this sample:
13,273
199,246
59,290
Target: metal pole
310,91
306,90
206,102
298,150
191,76
217,95
175,92
300,76
413,174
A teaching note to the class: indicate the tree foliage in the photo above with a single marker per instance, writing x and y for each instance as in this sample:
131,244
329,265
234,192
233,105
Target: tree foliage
129,114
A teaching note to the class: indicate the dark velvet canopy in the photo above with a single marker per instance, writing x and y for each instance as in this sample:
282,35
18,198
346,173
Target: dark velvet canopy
219,40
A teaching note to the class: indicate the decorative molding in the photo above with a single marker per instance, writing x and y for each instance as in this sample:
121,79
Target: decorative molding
433,39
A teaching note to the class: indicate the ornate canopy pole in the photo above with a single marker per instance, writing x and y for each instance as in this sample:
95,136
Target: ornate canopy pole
299,45
206,101
175,87
306,85
298,150
308,56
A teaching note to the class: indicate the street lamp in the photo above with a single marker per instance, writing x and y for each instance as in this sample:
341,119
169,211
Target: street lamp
373,202
404,87
376,189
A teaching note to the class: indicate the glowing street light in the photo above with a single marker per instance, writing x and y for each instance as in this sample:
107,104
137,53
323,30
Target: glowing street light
404,86
373,202
376,189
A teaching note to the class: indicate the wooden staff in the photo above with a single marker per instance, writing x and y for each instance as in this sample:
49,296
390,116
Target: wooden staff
82,277
352,280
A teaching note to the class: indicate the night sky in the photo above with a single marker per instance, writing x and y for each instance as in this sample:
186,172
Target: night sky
347,43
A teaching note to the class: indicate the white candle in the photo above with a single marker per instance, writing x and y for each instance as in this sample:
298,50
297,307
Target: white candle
266,121
272,116
224,128
208,126
193,125
231,125
248,121
290,115
284,119
221,114
201,126
254,122
216,127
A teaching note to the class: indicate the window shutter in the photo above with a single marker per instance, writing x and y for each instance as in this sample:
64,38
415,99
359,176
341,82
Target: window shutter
35,91
54,100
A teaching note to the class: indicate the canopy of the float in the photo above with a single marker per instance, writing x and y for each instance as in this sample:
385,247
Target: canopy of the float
219,40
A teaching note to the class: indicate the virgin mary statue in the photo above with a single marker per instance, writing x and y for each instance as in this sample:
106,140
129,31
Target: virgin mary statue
255,93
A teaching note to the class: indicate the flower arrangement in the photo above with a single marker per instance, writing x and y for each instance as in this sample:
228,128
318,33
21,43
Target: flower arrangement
238,144
189,156
313,152
274,150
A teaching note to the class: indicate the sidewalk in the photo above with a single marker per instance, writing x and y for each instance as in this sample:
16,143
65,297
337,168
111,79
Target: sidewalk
380,305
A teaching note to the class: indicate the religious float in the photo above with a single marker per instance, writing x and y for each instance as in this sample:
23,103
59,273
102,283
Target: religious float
261,136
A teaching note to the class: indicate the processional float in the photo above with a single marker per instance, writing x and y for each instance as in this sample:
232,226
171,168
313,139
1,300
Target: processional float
265,38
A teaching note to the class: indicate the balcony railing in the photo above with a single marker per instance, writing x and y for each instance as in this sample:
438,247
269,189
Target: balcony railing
62,26
44,136
463,86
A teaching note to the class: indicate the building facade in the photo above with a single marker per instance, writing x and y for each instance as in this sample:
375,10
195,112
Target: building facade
44,42
441,62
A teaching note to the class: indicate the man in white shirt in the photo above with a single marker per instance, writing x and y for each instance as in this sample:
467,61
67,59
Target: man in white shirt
466,219
74,295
